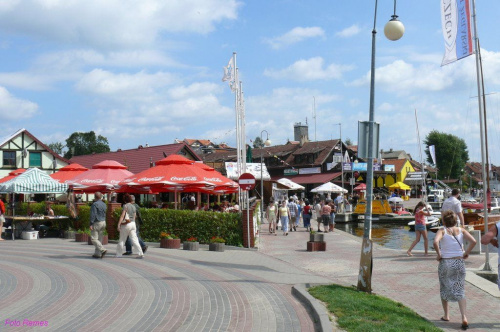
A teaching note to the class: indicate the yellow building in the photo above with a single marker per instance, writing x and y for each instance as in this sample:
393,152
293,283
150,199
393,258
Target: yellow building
390,175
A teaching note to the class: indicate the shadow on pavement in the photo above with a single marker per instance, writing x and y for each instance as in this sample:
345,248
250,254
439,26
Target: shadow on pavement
234,266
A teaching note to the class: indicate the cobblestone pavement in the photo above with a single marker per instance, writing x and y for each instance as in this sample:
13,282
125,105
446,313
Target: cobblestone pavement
57,282
412,281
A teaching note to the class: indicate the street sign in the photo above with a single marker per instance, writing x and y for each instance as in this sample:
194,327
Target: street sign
246,181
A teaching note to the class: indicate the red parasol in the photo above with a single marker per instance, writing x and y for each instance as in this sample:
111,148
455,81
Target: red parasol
68,172
360,187
177,173
103,177
12,175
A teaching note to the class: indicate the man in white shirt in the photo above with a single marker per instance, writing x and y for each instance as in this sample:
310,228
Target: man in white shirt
452,203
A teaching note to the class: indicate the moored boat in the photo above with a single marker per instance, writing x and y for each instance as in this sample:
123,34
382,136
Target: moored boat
429,223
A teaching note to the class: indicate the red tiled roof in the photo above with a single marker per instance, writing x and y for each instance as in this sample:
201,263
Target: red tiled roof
310,178
137,160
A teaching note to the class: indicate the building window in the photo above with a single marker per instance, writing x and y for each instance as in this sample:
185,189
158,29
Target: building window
9,159
35,159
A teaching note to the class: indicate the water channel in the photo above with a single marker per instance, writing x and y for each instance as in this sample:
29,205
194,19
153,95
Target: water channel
390,235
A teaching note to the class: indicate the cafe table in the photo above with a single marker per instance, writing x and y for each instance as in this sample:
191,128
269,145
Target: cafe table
24,223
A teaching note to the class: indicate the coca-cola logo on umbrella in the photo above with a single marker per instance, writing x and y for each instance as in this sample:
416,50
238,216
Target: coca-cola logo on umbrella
157,178
187,178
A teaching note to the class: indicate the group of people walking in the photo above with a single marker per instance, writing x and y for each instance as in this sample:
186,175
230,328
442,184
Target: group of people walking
128,226
288,213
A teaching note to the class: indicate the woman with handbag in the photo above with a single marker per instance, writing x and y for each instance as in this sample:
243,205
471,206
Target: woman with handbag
127,228
284,216
449,247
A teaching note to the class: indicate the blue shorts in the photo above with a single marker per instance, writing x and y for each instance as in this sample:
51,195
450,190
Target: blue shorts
420,227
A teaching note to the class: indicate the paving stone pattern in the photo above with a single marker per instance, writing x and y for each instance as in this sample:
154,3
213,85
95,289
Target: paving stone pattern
57,280
412,281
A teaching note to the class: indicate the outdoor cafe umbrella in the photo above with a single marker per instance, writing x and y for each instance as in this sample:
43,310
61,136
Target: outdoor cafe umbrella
221,183
33,181
290,184
329,187
68,172
360,187
103,177
176,173
12,175
399,185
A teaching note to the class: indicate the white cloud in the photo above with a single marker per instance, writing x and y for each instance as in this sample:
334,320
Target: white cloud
113,23
122,86
12,108
349,32
309,70
294,36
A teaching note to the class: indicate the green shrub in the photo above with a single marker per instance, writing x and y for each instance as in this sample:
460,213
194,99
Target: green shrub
186,223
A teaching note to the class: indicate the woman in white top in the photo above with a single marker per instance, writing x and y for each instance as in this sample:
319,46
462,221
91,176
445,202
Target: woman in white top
271,214
127,228
449,247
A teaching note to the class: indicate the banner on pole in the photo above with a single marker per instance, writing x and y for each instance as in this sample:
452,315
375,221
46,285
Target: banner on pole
456,24
432,152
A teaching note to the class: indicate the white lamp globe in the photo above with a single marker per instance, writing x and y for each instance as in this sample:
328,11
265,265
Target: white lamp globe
267,142
394,29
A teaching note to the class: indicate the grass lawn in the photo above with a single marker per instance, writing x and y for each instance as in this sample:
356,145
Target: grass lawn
359,311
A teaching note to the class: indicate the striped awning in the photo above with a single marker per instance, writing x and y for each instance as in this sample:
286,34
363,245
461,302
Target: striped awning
33,181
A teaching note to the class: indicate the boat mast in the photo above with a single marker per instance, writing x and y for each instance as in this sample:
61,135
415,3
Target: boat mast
482,126
422,168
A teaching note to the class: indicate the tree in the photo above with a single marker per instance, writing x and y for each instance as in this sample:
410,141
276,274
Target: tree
57,147
451,154
257,143
79,144
348,141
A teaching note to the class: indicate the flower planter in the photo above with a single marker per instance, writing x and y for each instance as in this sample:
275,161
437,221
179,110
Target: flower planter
69,234
216,246
81,237
194,246
316,246
104,240
317,237
170,243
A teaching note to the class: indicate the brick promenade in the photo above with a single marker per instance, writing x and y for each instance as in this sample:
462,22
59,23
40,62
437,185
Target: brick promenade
412,281
56,281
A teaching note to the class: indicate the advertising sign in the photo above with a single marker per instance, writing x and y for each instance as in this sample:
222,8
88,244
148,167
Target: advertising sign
312,170
252,168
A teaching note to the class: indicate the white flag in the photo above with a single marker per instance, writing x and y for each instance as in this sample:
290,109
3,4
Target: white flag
346,157
432,152
229,71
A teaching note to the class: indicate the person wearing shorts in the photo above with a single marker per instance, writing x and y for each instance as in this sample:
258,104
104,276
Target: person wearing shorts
420,228
326,211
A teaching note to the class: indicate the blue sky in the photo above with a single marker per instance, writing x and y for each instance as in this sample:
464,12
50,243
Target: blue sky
150,71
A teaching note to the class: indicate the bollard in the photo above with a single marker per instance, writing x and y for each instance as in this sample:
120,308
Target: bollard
477,236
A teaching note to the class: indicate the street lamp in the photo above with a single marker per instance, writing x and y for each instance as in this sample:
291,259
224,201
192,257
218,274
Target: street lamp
393,30
266,143
470,187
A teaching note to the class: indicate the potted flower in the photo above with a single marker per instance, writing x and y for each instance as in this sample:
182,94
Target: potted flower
191,244
82,235
169,241
69,233
216,244
104,238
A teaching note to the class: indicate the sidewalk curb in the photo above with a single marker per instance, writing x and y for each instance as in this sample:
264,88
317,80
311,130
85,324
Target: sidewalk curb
318,311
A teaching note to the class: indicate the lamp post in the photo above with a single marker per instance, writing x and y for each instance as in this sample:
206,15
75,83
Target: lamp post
266,143
470,187
393,30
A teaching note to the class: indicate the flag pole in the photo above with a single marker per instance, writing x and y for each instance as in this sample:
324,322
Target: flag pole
482,126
